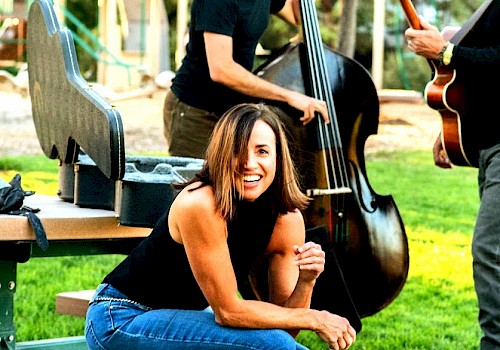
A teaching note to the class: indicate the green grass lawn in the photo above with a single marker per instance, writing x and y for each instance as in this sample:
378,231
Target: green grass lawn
436,309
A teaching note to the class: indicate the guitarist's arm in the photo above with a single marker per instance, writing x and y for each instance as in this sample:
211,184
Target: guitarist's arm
474,57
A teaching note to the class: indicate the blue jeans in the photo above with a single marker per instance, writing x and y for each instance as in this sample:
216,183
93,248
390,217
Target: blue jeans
486,248
115,322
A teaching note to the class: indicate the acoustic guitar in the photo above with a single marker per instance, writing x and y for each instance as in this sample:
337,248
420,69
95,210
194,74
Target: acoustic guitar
446,94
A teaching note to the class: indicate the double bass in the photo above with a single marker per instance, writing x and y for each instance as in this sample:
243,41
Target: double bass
361,231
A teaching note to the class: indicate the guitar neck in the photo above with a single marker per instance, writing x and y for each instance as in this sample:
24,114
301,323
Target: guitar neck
411,14
414,22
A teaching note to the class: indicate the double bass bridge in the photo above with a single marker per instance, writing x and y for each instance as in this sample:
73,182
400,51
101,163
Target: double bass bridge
314,192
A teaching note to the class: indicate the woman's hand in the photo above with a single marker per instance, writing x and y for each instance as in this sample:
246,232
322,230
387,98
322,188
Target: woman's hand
310,259
336,331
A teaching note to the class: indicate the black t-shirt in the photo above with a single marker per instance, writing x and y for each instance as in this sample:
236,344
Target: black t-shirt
245,21
157,272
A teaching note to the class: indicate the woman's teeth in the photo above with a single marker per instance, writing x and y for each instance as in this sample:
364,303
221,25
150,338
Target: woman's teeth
251,178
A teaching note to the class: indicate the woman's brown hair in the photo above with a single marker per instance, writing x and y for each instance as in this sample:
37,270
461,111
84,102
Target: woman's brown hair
227,150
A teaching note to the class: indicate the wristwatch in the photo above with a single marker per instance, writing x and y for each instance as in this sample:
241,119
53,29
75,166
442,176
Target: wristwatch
448,53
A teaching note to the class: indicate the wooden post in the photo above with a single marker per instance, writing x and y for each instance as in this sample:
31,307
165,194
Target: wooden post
154,37
182,19
378,43
108,35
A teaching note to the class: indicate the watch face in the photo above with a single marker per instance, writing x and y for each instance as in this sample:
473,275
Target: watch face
447,54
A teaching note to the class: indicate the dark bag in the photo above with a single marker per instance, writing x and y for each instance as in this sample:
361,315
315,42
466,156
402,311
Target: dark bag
11,202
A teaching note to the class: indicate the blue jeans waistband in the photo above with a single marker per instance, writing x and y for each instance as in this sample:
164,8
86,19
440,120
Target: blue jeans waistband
106,292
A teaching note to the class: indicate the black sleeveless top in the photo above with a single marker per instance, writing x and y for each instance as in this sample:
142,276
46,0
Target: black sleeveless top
157,273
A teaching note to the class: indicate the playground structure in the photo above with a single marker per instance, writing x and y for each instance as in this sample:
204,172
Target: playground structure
131,46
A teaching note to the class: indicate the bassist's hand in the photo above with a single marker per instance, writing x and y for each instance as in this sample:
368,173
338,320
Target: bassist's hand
308,105
440,158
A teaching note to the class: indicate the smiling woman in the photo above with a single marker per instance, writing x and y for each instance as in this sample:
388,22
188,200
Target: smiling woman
237,143
211,237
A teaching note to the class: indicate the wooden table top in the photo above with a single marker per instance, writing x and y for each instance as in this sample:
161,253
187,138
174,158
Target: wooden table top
66,221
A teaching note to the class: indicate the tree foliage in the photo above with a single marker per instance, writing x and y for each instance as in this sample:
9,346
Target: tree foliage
400,64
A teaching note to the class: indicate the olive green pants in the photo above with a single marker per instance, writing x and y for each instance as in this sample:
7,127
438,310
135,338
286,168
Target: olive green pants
186,129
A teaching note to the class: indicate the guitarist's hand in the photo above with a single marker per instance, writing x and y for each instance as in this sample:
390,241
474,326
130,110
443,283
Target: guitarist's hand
427,41
440,158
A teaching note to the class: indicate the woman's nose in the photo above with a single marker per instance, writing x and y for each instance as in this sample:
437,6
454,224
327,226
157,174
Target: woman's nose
251,162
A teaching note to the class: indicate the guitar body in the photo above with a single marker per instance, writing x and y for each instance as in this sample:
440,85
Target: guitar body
446,94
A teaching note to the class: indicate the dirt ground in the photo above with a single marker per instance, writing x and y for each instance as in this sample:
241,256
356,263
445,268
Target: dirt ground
403,124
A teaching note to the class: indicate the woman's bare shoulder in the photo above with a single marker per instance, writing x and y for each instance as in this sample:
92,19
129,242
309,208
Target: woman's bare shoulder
193,213
292,218
195,198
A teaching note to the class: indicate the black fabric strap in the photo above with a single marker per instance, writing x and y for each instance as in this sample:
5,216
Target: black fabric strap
458,37
41,236
36,224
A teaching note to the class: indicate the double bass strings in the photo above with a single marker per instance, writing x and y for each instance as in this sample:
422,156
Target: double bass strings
328,134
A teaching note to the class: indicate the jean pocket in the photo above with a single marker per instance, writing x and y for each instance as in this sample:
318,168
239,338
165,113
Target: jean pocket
122,311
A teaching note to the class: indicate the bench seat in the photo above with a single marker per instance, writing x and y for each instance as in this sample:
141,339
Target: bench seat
74,303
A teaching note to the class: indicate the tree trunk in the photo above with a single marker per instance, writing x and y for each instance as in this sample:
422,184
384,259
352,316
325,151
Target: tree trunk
347,37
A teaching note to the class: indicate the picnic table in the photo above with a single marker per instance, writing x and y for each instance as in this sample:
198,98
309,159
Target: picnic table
71,231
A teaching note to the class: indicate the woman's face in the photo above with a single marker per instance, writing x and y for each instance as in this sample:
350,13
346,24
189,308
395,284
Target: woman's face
260,169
